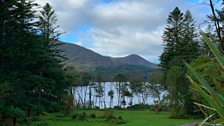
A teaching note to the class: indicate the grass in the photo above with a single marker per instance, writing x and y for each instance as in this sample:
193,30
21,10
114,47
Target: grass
147,118
132,118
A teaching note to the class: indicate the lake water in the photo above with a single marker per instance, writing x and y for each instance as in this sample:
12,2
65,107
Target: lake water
82,95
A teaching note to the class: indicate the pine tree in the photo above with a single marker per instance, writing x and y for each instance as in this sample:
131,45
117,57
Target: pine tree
171,36
180,45
52,61
31,77
47,21
16,45
49,30
190,45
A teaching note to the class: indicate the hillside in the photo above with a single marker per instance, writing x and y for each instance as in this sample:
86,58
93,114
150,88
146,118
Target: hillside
87,60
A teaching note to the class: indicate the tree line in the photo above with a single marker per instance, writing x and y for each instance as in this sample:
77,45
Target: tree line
90,91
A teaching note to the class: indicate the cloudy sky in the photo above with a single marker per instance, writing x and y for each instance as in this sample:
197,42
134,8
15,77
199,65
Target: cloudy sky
120,27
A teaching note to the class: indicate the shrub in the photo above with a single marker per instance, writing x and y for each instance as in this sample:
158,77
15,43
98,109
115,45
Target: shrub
120,120
68,104
75,116
60,116
93,115
110,118
97,107
40,124
156,108
45,114
82,116
108,113
33,119
54,107
139,107
38,109
117,107
120,117
183,116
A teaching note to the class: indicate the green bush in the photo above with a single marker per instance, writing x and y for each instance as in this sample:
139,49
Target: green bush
75,116
54,107
184,116
139,107
82,117
45,114
40,124
108,113
117,107
120,120
38,109
110,117
34,119
93,115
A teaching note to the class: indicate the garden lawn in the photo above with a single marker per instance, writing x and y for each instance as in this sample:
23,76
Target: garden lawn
132,118
148,118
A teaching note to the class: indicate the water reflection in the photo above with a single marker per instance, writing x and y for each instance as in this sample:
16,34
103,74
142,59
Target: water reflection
97,93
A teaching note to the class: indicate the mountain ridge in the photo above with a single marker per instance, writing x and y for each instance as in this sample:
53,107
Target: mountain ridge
87,60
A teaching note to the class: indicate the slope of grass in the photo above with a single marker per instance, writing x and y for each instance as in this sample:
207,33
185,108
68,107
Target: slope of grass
132,118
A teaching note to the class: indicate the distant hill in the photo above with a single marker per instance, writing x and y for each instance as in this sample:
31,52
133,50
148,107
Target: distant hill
87,60
134,60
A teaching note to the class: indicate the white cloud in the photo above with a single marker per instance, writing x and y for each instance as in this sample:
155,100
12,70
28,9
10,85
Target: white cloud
122,41
77,3
78,43
121,27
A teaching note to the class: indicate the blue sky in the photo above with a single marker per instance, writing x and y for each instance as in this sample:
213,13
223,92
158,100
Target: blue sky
74,35
106,1
120,27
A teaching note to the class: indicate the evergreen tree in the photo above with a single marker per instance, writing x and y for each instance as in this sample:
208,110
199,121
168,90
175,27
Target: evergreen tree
52,61
47,22
180,45
48,28
171,37
17,35
31,78
189,47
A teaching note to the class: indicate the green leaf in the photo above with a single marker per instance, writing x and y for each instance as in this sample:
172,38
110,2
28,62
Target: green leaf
204,106
219,56
218,98
205,120
208,98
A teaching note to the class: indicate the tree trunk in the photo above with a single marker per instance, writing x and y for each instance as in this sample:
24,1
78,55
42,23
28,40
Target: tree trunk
14,121
90,97
143,99
29,112
104,95
3,120
80,98
99,101
110,102
85,92
119,94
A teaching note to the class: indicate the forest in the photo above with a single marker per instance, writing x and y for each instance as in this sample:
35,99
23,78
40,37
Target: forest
39,88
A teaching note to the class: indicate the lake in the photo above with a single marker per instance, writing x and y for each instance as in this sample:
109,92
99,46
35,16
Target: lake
83,94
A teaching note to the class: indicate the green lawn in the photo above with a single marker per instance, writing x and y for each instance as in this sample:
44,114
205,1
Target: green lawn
146,118
132,118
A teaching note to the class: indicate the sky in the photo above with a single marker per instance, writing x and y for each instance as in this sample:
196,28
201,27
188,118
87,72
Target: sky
120,27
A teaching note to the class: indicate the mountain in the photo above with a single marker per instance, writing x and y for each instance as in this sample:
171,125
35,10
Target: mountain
87,60
134,60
